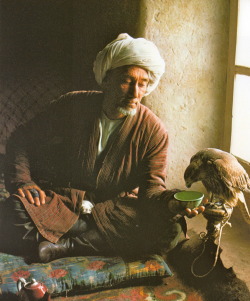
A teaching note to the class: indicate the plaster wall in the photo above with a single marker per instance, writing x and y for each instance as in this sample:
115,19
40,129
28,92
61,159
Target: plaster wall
192,36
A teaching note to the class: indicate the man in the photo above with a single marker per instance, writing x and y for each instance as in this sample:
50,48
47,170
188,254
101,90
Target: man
75,170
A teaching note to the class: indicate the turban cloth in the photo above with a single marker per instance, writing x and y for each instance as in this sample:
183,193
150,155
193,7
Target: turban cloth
125,51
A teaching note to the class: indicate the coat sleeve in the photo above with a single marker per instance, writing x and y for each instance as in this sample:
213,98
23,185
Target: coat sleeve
154,163
26,140
17,167
35,151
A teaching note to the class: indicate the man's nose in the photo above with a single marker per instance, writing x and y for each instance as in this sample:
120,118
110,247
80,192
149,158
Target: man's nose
134,91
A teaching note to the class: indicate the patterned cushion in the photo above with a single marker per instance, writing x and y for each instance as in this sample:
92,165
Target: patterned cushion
80,274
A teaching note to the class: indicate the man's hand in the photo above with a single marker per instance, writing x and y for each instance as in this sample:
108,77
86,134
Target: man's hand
193,212
175,207
33,193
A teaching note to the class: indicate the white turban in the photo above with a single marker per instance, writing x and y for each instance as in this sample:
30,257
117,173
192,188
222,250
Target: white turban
128,51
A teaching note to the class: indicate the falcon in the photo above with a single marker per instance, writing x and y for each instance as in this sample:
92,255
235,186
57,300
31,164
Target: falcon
223,177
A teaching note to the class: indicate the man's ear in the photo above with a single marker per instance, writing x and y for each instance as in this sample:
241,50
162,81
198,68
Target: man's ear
104,86
106,81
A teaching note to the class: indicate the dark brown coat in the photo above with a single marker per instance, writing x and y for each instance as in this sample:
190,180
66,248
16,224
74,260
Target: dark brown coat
58,150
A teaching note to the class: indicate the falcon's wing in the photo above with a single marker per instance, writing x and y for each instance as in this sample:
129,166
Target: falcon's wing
232,173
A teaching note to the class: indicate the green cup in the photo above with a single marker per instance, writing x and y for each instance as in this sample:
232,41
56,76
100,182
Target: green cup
189,199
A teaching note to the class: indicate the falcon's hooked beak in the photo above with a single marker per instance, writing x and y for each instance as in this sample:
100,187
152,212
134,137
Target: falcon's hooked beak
189,175
188,183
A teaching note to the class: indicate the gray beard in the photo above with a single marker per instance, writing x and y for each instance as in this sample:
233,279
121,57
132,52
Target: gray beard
127,112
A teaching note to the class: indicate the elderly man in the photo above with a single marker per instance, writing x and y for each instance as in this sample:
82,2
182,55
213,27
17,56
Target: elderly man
87,175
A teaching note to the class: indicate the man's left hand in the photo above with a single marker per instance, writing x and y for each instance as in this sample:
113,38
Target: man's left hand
193,212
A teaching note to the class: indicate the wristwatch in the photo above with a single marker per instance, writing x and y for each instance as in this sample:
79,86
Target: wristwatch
86,207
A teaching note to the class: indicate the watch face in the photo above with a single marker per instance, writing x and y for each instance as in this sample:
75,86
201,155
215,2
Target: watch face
86,207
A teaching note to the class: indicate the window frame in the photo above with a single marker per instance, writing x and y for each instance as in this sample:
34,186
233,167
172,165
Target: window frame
232,70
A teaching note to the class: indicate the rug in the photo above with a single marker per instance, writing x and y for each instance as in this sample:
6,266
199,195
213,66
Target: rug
171,288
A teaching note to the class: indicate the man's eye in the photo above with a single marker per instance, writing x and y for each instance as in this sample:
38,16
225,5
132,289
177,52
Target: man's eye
126,81
143,85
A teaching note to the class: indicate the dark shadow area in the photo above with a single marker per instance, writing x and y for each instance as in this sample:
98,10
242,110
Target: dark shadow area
221,284
48,48
8,297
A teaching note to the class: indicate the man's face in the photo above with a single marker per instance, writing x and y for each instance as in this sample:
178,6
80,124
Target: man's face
124,88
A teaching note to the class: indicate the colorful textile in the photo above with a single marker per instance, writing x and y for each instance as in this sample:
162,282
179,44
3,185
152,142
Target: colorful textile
172,289
79,274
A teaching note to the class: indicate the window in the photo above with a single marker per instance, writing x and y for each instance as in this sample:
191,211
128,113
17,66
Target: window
237,119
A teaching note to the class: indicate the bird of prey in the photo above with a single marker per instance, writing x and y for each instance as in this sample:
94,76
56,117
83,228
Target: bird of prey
223,177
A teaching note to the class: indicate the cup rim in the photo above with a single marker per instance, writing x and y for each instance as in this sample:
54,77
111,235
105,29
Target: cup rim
183,196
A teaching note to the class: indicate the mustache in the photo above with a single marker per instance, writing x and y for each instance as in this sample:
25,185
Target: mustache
129,100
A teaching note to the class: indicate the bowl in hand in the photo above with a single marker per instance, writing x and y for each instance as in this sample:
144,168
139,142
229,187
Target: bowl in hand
189,199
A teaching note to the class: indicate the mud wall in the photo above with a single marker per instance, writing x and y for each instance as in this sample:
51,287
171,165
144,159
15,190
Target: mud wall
193,38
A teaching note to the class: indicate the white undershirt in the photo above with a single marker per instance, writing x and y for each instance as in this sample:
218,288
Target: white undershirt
107,127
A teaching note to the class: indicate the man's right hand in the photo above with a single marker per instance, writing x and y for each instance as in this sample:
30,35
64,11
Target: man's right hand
33,193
